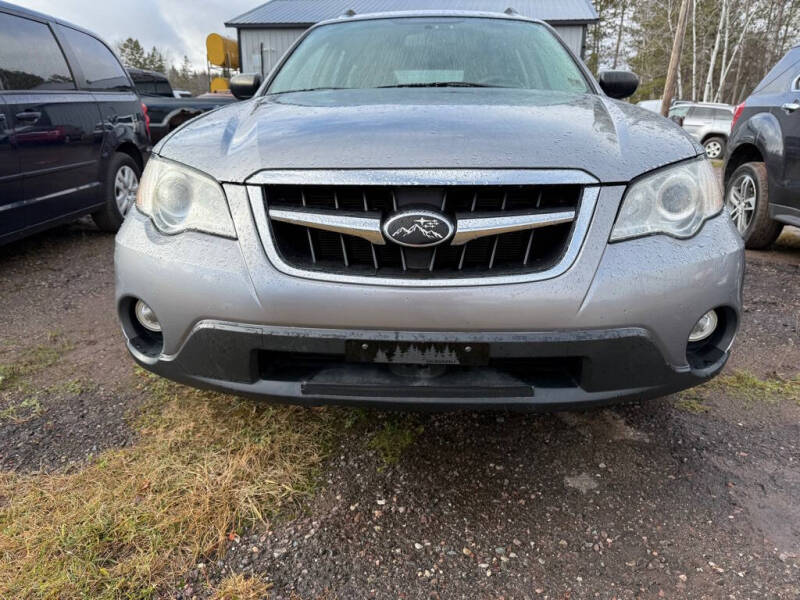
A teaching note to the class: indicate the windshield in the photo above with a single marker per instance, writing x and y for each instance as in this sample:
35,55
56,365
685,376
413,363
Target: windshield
679,111
430,52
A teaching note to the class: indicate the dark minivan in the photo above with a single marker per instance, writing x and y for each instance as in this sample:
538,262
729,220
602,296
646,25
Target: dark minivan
73,135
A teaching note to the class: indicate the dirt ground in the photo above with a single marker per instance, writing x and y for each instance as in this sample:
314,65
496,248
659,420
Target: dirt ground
691,496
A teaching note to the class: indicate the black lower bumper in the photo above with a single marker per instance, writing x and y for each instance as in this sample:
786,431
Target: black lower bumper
544,369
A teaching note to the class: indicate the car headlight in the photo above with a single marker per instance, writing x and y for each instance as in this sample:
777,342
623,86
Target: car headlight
178,198
675,201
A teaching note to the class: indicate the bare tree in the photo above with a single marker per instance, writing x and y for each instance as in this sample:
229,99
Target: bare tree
714,52
733,43
694,50
675,58
725,45
727,66
619,32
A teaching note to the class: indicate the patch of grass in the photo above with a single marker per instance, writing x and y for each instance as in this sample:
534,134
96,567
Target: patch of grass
134,520
691,402
239,587
32,360
751,388
392,440
746,386
21,411
30,405
73,387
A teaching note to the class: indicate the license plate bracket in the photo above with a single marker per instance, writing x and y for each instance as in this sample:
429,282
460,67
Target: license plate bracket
417,353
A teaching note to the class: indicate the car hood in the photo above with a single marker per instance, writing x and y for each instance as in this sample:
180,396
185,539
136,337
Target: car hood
405,128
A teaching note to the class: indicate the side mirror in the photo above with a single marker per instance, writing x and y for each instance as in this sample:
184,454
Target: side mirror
245,85
618,84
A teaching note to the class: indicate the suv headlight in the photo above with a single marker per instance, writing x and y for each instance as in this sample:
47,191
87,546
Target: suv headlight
675,201
178,198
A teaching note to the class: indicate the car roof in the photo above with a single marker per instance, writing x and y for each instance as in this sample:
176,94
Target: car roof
721,105
509,14
27,12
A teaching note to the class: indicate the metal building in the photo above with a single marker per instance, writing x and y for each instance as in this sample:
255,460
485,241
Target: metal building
267,31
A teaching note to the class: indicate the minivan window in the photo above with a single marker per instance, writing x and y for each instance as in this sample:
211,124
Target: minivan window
780,76
430,51
722,114
100,67
30,57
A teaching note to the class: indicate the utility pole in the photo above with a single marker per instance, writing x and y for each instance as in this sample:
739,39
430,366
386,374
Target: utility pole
675,58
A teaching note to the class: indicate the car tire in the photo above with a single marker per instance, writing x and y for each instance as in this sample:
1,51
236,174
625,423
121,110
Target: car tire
747,198
119,192
715,148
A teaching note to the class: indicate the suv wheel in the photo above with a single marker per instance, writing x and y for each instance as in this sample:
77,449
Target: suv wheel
121,185
715,147
747,197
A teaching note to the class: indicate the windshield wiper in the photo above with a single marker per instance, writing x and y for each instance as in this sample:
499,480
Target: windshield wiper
466,84
439,84
313,89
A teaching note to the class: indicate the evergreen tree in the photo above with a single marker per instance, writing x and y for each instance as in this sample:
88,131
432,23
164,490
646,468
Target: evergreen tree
132,54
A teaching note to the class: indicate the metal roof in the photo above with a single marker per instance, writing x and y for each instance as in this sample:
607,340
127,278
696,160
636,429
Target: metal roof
304,13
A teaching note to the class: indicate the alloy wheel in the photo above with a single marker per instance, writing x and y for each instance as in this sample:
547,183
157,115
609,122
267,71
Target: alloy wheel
126,184
713,149
742,198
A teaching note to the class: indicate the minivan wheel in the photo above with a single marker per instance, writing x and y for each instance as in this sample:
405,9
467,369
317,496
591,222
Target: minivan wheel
121,185
747,198
715,147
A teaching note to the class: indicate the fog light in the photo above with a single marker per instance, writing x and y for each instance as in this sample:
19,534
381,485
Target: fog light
146,316
704,327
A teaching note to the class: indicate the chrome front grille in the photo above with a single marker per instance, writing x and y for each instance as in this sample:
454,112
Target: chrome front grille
314,246
529,229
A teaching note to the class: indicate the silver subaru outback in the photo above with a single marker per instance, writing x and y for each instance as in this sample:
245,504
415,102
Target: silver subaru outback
431,208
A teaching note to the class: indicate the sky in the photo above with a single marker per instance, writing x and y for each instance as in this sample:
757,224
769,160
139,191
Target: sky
177,27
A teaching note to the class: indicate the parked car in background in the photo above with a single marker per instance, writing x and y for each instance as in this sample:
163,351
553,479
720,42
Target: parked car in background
73,135
166,109
762,170
446,209
709,124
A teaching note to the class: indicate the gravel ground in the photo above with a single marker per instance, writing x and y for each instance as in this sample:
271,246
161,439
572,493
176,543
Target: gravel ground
57,292
659,500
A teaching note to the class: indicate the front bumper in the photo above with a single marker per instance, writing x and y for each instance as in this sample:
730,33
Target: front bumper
547,369
613,326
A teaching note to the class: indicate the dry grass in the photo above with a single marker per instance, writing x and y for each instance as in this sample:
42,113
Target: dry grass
135,519
239,587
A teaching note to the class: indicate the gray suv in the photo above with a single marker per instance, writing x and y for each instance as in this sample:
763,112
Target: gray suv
709,124
431,208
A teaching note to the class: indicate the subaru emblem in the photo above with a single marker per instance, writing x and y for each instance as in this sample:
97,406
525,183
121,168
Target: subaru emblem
417,228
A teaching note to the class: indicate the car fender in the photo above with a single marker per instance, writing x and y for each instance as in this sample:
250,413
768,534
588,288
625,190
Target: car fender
764,132
710,132
128,133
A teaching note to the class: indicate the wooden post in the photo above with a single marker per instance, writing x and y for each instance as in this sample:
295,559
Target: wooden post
675,58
